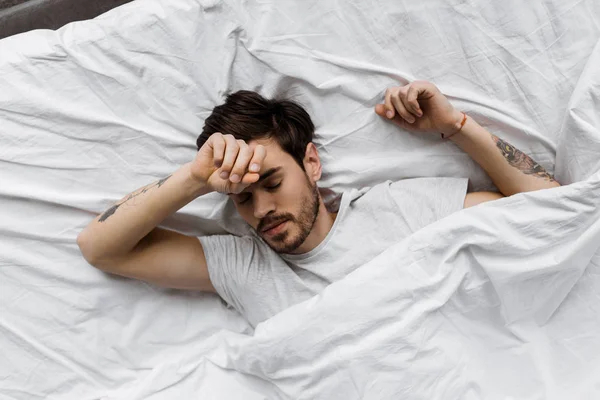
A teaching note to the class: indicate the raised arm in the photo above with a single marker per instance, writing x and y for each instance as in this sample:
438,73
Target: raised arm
125,240
421,107
511,170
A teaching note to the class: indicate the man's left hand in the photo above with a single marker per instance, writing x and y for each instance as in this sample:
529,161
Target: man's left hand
421,107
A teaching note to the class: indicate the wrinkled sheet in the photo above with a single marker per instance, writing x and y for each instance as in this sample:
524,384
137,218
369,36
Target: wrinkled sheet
98,108
496,302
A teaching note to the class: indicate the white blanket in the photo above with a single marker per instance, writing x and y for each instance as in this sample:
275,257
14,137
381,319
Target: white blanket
101,107
497,302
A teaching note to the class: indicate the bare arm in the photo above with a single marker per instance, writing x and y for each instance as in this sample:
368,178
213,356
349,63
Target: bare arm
421,107
125,240
511,170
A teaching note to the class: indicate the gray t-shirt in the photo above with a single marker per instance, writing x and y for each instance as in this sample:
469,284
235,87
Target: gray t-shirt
259,282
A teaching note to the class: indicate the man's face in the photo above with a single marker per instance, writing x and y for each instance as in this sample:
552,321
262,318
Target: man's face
283,206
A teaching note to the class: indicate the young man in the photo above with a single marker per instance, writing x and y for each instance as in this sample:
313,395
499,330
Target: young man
265,161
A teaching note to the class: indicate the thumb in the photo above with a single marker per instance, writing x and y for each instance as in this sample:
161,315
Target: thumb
380,110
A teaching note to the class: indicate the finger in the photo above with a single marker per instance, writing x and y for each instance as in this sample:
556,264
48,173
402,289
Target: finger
241,163
411,103
389,107
256,163
402,109
231,151
250,178
425,89
258,158
218,146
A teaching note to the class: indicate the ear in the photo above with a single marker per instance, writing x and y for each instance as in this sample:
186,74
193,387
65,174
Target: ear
312,162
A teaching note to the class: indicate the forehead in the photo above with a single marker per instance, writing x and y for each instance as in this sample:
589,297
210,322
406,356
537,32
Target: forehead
276,156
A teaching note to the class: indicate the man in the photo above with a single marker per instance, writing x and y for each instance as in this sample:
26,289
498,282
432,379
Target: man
265,161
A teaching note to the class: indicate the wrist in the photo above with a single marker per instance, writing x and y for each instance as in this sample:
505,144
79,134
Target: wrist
455,125
194,186
465,133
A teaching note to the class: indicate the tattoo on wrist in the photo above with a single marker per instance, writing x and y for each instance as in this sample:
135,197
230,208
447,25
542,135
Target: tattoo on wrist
114,208
520,160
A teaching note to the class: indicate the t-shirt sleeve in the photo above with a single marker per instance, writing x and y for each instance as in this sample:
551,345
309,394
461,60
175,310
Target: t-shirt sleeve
229,260
423,201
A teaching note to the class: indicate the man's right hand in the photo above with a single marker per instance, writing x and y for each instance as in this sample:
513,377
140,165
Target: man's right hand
227,165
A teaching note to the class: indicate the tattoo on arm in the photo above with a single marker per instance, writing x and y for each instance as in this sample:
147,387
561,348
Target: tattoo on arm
520,160
162,181
114,208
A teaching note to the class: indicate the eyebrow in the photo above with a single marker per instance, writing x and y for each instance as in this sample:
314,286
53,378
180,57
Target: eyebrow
264,176
268,173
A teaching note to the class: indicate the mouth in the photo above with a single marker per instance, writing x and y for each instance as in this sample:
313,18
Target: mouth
274,229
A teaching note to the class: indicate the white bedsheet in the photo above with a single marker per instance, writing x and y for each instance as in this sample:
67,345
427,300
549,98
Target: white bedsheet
101,107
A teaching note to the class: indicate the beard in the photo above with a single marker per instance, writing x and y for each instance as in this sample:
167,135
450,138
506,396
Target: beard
285,242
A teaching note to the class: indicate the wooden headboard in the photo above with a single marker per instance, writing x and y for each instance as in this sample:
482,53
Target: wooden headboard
18,16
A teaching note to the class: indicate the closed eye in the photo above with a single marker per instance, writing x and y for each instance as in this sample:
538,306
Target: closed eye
273,187
248,196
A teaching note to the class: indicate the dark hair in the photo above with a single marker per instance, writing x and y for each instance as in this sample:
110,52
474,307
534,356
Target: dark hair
247,115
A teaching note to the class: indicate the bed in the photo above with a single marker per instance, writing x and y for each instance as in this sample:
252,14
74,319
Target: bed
495,302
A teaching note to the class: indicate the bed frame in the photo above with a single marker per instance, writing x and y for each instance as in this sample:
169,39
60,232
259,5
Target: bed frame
17,16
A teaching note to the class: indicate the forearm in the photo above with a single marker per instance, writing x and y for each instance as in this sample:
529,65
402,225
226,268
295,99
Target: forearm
511,170
120,228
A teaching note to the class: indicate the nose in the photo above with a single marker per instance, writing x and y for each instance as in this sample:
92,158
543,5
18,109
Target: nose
263,204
